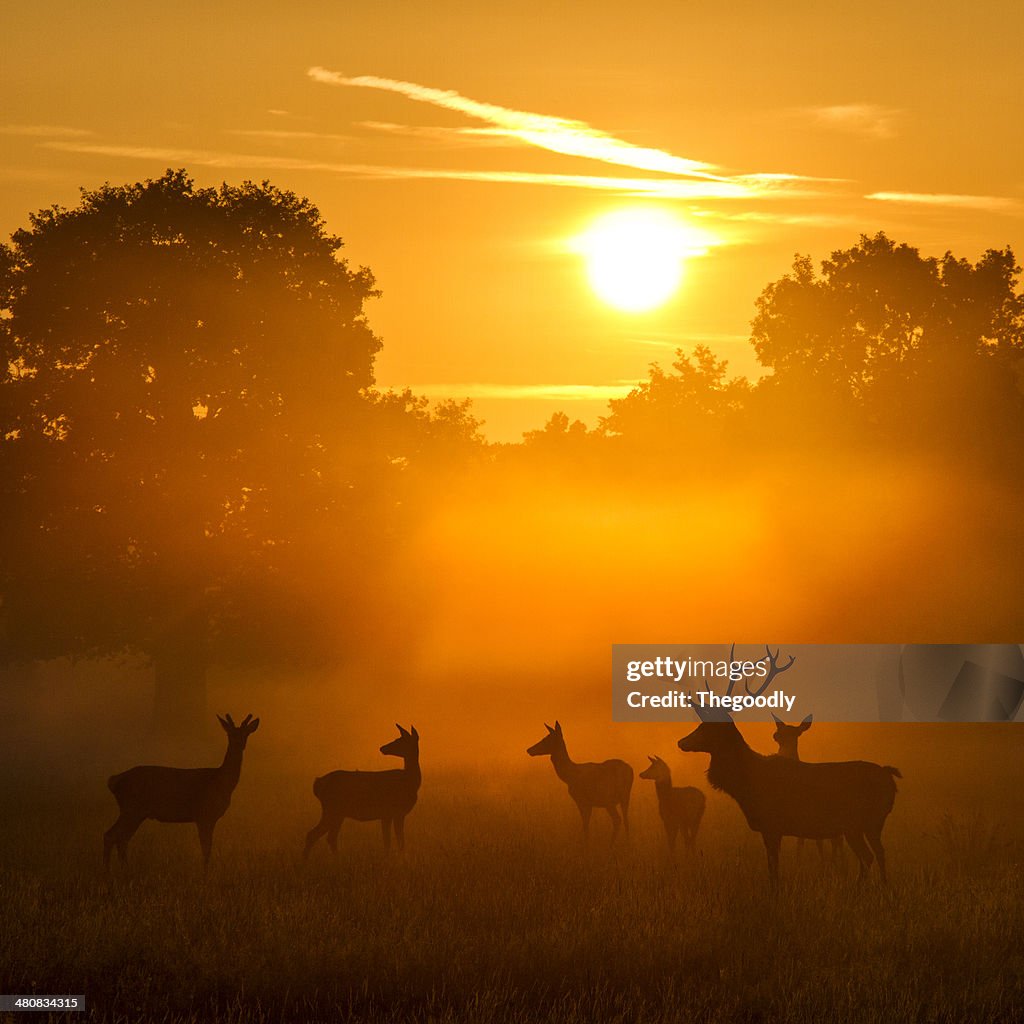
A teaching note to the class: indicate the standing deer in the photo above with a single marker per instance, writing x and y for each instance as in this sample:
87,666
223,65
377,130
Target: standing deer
590,784
680,807
199,795
781,796
787,737
386,796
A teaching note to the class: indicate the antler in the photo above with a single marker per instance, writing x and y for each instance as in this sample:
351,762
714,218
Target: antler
773,670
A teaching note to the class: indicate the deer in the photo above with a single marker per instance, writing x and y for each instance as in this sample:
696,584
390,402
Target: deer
386,796
197,795
787,737
606,784
681,807
780,796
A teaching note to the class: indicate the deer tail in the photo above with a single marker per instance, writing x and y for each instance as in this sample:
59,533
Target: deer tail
893,771
113,783
318,784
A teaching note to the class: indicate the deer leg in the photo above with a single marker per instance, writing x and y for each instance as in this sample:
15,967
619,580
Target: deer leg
585,812
400,832
875,842
616,821
671,831
385,830
205,829
318,830
772,843
821,849
625,813
332,835
119,834
860,848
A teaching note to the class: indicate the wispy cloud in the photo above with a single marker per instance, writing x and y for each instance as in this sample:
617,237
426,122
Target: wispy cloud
995,204
533,392
281,135
664,188
457,136
866,119
45,131
556,134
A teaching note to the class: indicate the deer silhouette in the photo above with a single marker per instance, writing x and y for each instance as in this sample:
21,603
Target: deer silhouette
590,784
199,795
780,796
787,737
386,796
681,807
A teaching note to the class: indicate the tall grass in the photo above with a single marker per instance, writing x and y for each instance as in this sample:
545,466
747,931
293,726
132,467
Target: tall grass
496,913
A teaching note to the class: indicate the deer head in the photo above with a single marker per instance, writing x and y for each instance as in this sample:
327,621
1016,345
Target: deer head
238,735
550,744
406,744
658,771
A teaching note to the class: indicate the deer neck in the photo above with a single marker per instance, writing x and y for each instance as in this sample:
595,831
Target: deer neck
231,766
565,767
663,787
731,769
788,748
411,767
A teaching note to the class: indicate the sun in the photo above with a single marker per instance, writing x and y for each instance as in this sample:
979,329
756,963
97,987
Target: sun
635,257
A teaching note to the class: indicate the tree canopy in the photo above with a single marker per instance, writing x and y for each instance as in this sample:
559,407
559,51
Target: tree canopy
183,408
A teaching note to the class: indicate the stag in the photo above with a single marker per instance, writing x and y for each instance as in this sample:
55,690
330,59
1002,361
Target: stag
681,807
787,737
591,784
386,796
780,796
199,795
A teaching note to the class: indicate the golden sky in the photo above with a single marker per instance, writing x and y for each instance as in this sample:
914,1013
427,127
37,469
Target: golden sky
460,148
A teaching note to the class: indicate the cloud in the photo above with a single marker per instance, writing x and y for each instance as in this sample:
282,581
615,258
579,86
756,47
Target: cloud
995,204
532,392
46,131
280,135
865,119
556,134
664,188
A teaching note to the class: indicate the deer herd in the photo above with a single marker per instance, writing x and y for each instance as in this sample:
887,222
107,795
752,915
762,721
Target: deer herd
779,794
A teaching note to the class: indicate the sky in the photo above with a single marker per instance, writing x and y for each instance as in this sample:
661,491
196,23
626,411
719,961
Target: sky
462,151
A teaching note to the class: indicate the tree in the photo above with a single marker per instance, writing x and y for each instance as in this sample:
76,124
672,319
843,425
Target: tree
681,411
182,412
884,328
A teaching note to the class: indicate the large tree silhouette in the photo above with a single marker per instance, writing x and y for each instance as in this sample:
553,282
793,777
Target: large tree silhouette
181,417
926,345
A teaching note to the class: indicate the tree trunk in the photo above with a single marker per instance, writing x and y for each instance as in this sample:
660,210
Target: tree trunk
179,669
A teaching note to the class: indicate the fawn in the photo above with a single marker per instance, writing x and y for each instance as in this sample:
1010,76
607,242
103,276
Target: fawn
681,807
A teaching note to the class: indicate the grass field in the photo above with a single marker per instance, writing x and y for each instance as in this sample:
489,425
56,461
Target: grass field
496,913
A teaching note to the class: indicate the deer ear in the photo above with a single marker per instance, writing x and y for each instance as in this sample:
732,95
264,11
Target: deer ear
254,725
223,724
653,760
399,728
548,727
806,723
231,721
778,721
558,727
415,735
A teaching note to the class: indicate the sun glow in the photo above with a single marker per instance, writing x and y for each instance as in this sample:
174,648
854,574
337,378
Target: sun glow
635,257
